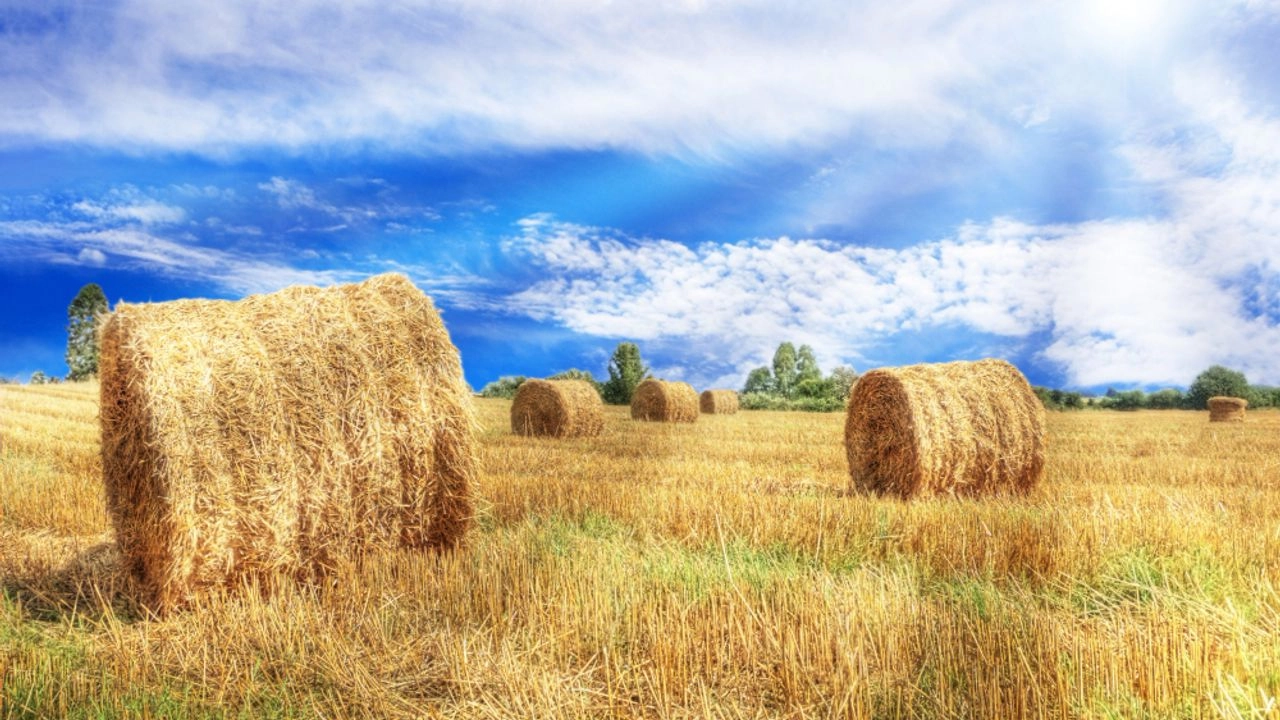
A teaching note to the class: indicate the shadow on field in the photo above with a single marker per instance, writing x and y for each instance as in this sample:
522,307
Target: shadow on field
52,579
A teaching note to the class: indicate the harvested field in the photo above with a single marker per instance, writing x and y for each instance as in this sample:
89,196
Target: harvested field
713,570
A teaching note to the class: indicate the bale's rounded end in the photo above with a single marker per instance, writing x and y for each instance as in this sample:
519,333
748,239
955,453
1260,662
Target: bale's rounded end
557,408
662,401
281,433
718,402
961,428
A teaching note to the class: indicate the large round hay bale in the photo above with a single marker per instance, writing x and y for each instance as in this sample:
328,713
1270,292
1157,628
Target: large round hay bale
718,402
1227,409
557,408
962,428
664,401
282,433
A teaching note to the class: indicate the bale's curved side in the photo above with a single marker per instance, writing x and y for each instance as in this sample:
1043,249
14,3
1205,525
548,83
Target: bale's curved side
557,408
963,428
662,401
1227,409
282,433
718,402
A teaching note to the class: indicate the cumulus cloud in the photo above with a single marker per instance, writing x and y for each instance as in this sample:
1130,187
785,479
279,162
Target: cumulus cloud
1121,301
92,256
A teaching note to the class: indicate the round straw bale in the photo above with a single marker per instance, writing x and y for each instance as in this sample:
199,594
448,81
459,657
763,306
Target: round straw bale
559,408
1227,409
282,433
963,428
664,401
719,402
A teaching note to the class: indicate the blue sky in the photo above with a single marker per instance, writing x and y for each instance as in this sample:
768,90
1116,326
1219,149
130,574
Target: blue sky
1090,189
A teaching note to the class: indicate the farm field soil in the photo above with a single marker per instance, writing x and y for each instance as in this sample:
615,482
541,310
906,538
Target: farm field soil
713,569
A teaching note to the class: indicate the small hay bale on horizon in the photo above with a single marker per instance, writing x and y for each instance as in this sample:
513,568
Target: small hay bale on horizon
958,428
718,402
557,408
281,434
662,401
1227,409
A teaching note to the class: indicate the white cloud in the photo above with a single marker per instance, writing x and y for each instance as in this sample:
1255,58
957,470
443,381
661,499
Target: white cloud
653,77
139,249
128,204
1122,301
92,256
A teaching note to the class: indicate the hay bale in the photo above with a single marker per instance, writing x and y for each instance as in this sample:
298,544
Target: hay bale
282,433
718,402
558,408
664,401
963,428
1227,409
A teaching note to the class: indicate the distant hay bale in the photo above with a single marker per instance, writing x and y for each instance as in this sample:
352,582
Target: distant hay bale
558,408
719,402
282,433
1227,409
664,401
962,428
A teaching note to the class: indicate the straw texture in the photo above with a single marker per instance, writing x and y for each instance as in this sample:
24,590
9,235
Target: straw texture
962,428
663,401
281,433
557,408
718,402
1227,409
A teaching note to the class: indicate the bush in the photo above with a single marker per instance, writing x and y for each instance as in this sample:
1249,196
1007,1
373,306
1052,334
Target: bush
768,401
503,387
1166,399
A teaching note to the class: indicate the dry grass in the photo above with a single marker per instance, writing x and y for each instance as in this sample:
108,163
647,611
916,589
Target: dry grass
557,408
281,434
740,579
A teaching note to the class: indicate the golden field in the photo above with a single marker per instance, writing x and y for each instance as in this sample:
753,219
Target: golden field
718,569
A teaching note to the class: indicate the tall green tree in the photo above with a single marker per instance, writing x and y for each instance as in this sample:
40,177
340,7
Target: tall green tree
1215,381
626,371
89,305
807,365
786,374
841,381
759,380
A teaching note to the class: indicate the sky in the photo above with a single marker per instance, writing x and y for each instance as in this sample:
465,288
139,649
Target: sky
1089,189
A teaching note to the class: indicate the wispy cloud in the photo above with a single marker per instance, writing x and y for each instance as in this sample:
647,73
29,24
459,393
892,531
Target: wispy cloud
654,77
128,229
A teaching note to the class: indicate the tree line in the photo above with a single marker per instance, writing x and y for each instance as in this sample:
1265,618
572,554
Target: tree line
1214,381
793,381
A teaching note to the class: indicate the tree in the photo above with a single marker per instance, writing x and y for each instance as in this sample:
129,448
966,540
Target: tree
82,331
575,374
503,387
626,371
38,378
807,365
1166,399
841,381
785,372
759,380
1213,382
1129,400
